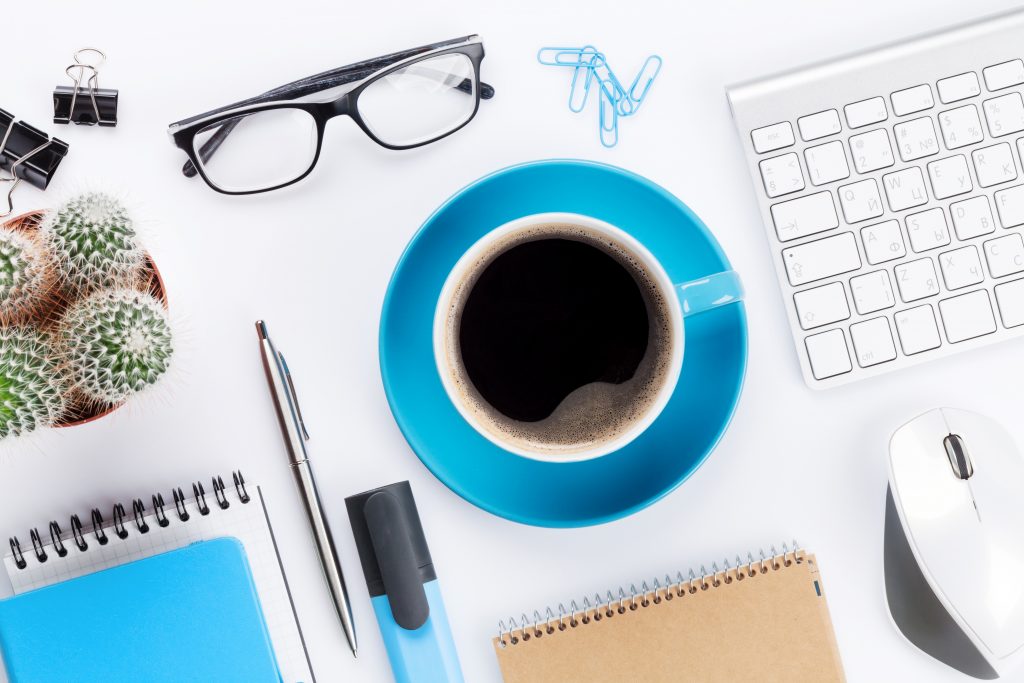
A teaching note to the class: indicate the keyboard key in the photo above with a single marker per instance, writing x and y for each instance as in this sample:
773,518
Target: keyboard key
804,216
961,267
821,305
913,99
861,201
872,292
865,112
827,354
960,126
928,230
821,259
950,176
1005,115
905,188
956,88
782,175
917,330
967,316
994,165
872,342
771,138
1010,204
999,76
883,242
916,138
1010,297
819,125
1005,255
972,217
826,163
871,151
917,280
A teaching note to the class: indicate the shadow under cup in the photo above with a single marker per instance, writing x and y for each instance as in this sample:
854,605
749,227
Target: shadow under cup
560,337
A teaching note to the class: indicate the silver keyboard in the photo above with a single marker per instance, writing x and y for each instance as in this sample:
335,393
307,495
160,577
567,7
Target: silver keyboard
891,185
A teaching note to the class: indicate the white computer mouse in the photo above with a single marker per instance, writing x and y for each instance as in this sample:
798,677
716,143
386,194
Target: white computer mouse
954,552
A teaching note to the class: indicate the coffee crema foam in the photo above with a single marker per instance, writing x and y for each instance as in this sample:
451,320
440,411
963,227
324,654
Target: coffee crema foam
593,414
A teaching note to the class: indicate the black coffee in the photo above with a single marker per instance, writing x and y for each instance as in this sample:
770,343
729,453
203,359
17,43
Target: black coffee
559,338
546,318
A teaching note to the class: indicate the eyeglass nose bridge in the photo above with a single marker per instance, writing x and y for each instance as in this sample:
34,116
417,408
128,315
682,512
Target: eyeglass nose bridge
339,107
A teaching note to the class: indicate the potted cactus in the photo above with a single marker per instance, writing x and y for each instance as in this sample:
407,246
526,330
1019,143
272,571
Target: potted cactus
83,315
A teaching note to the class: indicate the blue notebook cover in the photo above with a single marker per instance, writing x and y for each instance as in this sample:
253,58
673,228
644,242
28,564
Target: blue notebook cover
187,615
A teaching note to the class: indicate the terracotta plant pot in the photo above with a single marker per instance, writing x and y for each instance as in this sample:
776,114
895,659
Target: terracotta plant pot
153,283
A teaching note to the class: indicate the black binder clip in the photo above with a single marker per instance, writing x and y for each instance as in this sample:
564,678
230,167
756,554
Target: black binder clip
85,103
28,154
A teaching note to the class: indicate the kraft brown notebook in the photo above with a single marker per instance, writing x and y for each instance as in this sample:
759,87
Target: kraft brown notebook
761,620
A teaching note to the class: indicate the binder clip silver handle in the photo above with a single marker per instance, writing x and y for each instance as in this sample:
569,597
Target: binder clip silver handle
85,74
15,180
26,153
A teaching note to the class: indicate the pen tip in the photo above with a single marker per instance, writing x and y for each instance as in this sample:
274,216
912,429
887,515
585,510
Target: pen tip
261,329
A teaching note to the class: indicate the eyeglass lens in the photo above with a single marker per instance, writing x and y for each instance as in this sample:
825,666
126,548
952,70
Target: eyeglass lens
421,101
265,149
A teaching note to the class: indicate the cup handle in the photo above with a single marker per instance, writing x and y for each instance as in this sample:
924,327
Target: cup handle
697,296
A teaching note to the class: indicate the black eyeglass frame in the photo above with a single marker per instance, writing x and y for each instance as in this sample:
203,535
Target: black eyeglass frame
362,74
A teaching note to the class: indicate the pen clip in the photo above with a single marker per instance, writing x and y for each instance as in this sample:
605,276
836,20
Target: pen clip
293,394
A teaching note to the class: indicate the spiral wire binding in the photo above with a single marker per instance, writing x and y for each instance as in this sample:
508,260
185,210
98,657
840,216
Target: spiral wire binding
139,512
119,529
199,494
76,533
55,541
19,557
218,492
58,539
97,527
525,628
158,510
179,504
243,494
37,546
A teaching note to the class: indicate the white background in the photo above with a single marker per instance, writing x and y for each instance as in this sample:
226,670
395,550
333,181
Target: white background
315,260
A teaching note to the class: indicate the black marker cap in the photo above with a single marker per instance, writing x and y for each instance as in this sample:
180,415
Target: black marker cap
393,550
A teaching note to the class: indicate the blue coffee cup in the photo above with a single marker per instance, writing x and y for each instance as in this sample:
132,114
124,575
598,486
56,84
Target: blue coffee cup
684,300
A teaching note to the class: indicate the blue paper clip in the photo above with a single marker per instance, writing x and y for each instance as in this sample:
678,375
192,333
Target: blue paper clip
648,72
608,118
565,56
616,102
618,94
580,88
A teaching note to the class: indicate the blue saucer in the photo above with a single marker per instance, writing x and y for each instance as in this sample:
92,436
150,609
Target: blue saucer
577,493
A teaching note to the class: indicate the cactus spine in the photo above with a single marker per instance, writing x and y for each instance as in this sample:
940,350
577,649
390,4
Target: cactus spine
115,342
94,241
32,385
28,277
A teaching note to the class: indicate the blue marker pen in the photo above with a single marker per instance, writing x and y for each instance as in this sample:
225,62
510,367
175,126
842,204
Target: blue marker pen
403,586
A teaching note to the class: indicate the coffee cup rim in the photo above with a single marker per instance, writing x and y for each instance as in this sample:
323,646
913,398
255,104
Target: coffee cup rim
650,262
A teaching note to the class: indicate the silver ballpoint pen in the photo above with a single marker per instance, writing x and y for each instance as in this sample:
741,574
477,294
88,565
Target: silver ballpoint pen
293,428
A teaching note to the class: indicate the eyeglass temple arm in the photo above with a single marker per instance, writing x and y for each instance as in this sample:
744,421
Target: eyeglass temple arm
311,84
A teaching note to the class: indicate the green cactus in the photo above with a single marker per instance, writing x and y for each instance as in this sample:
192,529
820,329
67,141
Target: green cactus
28,277
32,387
115,342
93,238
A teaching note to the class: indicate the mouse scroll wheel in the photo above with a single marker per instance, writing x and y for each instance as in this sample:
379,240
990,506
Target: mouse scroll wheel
959,459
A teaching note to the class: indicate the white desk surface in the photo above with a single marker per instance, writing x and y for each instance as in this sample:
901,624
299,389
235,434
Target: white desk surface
314,260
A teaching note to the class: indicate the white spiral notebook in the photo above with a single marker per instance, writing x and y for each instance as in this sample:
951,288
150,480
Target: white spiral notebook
64,551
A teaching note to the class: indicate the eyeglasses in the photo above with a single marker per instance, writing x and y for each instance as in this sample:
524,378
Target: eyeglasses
402,100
